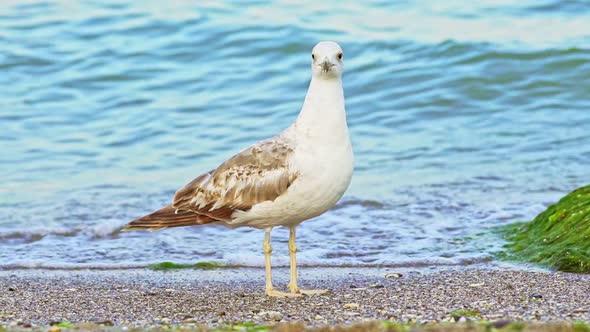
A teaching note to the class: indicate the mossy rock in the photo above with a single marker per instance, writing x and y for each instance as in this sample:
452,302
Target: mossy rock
558,238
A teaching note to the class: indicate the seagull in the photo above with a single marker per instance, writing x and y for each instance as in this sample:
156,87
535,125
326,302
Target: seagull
281,181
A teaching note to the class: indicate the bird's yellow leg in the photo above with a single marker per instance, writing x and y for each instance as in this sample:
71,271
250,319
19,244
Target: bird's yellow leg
293,288
270,291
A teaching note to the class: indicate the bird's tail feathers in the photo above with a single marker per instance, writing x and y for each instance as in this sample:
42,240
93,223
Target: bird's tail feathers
167,217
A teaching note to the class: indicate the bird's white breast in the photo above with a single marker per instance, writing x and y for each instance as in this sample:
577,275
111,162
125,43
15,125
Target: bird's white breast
324,165
325,171
324,175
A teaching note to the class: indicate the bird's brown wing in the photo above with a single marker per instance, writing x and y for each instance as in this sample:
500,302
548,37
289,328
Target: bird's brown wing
257,174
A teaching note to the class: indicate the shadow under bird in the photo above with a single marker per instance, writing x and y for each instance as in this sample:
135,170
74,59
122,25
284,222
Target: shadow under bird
281,181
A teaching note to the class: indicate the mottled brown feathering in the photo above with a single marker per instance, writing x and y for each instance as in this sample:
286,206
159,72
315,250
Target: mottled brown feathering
166,218
257,174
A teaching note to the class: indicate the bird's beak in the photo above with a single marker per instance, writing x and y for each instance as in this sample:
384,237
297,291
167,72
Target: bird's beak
326,65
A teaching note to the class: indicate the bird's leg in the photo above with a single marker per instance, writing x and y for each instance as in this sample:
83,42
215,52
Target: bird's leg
270,291
293,288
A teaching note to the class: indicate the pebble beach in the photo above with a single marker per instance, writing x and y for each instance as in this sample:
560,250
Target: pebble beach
147,299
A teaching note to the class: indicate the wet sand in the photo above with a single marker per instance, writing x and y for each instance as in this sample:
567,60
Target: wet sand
142,298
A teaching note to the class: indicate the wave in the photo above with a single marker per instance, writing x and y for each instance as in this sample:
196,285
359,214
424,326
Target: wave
97,231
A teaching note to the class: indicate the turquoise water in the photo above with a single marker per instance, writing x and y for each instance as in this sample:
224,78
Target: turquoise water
463,116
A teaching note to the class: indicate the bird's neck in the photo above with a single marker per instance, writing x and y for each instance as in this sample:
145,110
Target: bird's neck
323,114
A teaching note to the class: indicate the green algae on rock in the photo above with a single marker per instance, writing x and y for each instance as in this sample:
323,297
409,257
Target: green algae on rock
173,266
558,238
465,313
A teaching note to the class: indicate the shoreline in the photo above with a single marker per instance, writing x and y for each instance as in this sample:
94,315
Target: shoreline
419,266
144,298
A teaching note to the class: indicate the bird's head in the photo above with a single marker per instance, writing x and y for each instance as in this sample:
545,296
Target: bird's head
326,60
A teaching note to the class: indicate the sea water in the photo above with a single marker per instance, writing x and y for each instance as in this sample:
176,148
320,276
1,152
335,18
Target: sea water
463,115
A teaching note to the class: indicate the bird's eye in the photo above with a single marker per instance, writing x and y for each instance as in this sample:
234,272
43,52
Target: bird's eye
339,56
313,56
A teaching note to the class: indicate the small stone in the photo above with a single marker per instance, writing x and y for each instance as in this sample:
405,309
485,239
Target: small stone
500,324
54,329
579,311
272,315
536,296
70,290
189,320
11,289
319,317
351,306
476,285
377,286
393,275
169,290
105,323
462,319
165,321
222,313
